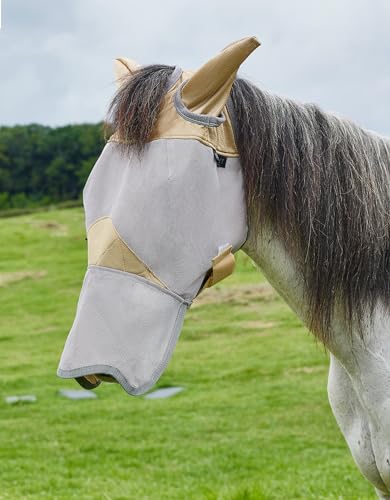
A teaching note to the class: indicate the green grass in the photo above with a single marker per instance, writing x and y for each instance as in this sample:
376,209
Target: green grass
253,422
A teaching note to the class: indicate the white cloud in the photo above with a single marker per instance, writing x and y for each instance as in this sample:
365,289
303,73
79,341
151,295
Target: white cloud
56,57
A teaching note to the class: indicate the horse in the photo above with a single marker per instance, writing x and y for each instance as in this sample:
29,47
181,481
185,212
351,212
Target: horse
202,164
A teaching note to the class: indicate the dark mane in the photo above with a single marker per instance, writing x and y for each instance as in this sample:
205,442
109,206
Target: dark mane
323,184
320,181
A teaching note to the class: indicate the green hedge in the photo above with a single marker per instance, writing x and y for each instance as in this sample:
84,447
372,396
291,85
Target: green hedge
42,166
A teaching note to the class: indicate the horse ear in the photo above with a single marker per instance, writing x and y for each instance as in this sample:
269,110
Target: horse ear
124,67
208,89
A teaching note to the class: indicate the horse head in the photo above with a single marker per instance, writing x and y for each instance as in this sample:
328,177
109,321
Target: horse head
165,212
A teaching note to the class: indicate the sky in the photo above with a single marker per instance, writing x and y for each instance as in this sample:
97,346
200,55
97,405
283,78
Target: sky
56,57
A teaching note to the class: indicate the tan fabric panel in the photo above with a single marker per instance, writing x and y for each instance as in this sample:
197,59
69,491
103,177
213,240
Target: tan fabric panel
107,249
171,125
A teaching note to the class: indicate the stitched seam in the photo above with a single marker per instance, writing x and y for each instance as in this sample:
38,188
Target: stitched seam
105,251
98,220
136,277
123,259
189,137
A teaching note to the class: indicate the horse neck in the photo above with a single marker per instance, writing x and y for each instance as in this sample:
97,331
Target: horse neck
274,260
272,257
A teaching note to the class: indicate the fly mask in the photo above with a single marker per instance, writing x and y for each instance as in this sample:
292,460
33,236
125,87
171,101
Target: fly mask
162,225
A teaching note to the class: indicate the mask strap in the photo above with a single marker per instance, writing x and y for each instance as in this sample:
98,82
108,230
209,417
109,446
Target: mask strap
223,266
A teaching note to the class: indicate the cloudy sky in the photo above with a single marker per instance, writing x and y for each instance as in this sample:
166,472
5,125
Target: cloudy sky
56,56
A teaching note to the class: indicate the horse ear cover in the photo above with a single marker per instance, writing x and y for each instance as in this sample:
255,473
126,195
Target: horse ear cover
208,89
124,67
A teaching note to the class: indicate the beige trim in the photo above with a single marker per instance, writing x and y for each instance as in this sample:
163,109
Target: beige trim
107,249
224,152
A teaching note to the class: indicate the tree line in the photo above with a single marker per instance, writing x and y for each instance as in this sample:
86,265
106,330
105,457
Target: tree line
41,165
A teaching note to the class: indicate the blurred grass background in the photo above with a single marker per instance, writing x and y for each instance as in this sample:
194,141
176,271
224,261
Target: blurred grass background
253,422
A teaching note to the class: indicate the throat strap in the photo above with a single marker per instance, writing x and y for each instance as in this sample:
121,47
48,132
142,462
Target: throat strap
223,266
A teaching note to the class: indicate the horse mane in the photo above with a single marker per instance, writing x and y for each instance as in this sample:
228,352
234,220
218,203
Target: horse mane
321,182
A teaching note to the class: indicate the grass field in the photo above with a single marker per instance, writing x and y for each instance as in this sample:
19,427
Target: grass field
253,422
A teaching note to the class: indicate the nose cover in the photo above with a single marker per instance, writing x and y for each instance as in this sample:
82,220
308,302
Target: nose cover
161,225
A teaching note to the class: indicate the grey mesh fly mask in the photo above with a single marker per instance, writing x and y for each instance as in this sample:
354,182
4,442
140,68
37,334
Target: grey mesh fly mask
162,224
